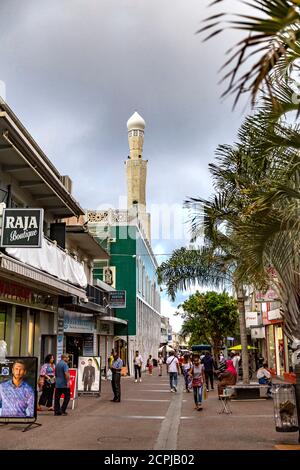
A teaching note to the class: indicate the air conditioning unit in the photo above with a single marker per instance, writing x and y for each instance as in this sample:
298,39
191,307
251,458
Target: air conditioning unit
67,182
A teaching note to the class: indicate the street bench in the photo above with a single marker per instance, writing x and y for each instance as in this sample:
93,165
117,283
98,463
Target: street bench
250,391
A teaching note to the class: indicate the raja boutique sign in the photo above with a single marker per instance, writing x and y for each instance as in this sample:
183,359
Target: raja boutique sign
22,228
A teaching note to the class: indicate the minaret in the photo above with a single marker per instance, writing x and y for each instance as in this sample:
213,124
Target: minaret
136,171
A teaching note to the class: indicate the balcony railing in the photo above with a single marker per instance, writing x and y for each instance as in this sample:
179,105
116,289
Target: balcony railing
96,295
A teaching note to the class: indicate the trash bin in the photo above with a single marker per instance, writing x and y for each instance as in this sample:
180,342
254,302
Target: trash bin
285,409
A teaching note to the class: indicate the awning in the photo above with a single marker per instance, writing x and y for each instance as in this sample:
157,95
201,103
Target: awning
103,286
114,320
80,235
20,270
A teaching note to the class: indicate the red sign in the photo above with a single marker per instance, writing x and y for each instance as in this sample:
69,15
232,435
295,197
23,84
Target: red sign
268,296
73,384
9,289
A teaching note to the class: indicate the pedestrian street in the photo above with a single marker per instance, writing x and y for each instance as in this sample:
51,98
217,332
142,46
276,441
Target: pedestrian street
150,417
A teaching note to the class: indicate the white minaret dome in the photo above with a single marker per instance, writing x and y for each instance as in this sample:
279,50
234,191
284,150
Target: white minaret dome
136,122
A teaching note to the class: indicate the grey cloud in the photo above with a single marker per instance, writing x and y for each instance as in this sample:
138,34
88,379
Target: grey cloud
75,70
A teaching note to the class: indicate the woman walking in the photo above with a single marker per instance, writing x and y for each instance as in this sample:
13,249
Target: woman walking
186,366
150,364
197,374
47,372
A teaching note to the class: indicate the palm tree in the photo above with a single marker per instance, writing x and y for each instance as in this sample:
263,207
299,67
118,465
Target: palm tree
251,223
272,34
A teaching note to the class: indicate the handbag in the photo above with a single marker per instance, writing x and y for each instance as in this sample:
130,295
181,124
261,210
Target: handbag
197,382
109,375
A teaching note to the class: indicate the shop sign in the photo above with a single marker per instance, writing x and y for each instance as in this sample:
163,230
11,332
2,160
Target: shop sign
117,299
73,386
274,314
89,379
251,319
59,346
258,333
88,345
18,404
11,292
268,296
75,322
106,329
22,228
109,275
60,322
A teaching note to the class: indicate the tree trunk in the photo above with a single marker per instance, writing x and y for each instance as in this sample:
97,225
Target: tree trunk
242,318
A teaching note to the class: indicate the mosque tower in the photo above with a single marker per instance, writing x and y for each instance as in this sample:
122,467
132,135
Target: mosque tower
136,172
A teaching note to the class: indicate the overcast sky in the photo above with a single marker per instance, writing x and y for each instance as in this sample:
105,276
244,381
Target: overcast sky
75,70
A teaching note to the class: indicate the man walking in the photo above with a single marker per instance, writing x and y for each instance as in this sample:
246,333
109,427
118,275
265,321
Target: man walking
173,370
208,363
116,368
62,386
137,362
88,377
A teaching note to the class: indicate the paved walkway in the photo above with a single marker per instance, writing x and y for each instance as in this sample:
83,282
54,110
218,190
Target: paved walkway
151,417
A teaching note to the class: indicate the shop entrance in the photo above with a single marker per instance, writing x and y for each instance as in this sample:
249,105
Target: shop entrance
79,344
74,347
48,346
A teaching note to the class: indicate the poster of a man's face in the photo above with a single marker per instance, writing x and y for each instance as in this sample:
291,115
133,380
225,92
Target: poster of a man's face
18,378
88,374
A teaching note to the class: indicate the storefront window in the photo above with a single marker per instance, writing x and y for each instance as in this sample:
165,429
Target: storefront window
271,355
280,349
3,325
31,333
17,332
20,323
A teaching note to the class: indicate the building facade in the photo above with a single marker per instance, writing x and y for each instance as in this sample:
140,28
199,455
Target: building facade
125,234
48,302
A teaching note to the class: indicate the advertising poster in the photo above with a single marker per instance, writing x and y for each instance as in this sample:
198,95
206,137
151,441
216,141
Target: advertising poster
18,395
89,374
73,388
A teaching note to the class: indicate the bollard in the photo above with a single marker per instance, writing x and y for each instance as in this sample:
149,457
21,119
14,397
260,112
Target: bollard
297,393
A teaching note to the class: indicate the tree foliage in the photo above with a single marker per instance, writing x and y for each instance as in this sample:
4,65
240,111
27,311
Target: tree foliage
271,45
209,317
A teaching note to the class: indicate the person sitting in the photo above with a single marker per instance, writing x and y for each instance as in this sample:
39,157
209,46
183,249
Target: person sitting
228,377
264,377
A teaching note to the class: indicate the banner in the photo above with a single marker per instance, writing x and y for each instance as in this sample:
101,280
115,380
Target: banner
18,394
73,383
89,374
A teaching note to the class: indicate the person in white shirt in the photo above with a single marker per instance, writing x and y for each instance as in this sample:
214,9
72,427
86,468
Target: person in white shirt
173,370
264,377
160,365
137,362
236,360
